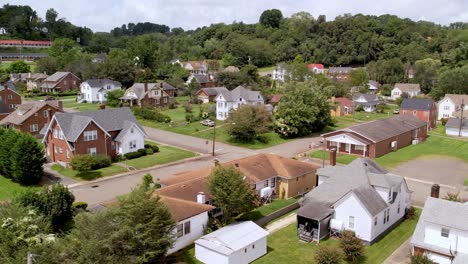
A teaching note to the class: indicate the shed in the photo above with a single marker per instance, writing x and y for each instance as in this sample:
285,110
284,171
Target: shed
452,128
237,243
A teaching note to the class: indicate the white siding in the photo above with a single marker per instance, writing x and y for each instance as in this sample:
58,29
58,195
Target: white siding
223,107
137,135
198,225
454,131
445,108
206,255
351,206
396,93
436,258
92,95
457,240
247,254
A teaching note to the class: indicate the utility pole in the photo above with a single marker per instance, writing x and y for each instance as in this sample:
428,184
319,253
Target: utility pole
462,108
214,138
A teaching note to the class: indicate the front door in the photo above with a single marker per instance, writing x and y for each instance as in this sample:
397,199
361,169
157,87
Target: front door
348,148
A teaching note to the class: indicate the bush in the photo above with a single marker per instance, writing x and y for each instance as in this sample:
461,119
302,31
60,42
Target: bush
117,158
360,108
142,151
328,255
380,108
155,148
151,114
136,154
410,213
172,105
100,161
444,121
351,246
188,118
80,205
420,259
88,162
149,151
263,139
188,107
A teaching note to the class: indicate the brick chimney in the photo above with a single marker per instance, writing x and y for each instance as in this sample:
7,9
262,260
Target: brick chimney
146,87
332,156
435,190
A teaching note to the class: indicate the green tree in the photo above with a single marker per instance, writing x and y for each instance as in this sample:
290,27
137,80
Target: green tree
451,81
426,73
352,247
113,97
120,67
303,109
47,65
271,18
26,159
248,122
328,255
193,88
64,51
231,192
359,78
18,67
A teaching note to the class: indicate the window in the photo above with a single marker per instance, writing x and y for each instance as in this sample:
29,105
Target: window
385,216
10,96
68,153
180,230
266,184
165,99
404,112
12,106
332,143
273,182
60,150
253,246
91,151
60,135
132,144
55,134
446,107
245,250
187,228
359,147
46,113
414,112
375,221
388,215
131,130
34,128
444,232
55,149
390,194
398,210
35,114
351,222
90,135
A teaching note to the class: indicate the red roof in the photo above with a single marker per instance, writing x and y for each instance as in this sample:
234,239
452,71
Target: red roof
275,98
344,101
315,65
25,42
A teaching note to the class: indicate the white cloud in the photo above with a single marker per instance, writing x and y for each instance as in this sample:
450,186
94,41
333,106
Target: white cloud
103,15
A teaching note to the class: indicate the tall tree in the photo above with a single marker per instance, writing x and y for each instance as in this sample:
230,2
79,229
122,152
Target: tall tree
426,73
26,159
271,18
248,122
18,67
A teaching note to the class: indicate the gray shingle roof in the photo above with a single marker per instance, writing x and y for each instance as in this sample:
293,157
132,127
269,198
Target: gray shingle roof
382,129
213,91
455,123
408,87
139,89
241,92
99,83
417,104
367,97
112,119
57,76
10,85
24,111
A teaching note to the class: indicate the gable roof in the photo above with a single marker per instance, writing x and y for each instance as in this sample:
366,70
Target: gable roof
112,119
26,110
57,76
183,209
319,66
455,123
99,83
343,101
375,84
417,104
242,92
366,96
231,69
213,91
408,87
382,129
188,189
9,85
457,98
139,89
195,65
338,70
37,76
231,238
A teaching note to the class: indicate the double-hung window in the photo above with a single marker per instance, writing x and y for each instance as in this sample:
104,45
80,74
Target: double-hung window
444,232
90,135
351,222
34,127
132,144
183,229
91,151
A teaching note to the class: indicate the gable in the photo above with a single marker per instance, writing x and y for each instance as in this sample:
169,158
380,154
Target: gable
351,202
348,139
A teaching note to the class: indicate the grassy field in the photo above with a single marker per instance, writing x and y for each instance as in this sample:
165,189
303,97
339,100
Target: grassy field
80,106
88,175
8,188
340,157
267,69
285,247
267,209
166,154
5,64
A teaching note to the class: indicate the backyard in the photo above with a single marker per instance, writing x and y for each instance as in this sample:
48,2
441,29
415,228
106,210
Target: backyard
267,209
9,188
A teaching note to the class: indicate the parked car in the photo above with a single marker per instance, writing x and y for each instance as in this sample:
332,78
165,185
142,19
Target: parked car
396,111
207,122
49,98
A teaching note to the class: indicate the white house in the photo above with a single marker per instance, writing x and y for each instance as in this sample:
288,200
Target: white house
450,104
412,89
227,101
95,90
442,232
316,68
279,73
237,243
369,102
361,197
452,127
374,86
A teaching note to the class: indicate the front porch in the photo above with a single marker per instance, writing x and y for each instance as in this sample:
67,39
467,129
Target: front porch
346,143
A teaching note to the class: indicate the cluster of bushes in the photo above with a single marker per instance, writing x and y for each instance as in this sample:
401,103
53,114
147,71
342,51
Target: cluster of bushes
89,162
21,157
37,92
351,250
151,114
148,150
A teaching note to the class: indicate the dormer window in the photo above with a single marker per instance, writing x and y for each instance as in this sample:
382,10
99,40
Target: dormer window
445,232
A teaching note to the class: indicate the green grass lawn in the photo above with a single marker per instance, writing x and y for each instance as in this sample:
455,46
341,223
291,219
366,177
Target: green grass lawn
266,69
340,157
267,209
88,175
285,247
166,154
5,64
66,98
8,188
465,182
80,106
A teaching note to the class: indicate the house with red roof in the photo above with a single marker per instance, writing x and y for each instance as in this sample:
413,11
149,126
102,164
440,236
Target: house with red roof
341,106
316,68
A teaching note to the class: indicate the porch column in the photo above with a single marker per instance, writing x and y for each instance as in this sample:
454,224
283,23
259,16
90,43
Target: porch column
349,151
364,152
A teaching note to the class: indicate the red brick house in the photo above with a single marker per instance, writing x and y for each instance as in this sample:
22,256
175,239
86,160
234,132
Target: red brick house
60,82
9,99
33,116
424,109
149,94
377,138
103,132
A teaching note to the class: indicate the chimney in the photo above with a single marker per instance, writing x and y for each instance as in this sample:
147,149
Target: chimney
146,87
435,189
216,162
333,156
60,104
201,198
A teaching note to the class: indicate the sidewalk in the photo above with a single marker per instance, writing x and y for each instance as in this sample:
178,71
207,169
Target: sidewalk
281,223
401,255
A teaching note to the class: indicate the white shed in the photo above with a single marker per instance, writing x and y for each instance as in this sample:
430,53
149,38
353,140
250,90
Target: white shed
237,243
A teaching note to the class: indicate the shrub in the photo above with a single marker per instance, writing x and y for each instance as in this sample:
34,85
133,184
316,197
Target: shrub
188,118
380,108
360,108
136,154
151,114
149,151
80,205
444,121
328,255
188,107
172,105
420,259
155,148
410,213
263,139
88,162
100,161
117,158
142,151
351,246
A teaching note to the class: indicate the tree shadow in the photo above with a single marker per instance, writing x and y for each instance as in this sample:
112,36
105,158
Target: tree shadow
89,175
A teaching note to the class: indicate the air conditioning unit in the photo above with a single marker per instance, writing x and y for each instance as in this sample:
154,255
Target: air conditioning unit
394,144
415,141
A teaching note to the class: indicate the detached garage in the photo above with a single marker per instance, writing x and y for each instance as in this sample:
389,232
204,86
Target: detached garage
237,243
452,128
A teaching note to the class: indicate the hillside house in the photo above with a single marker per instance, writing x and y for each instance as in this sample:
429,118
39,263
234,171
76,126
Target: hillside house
368,102
412,89
9,99
423,109
374,86
450,105
34,80
341,106
339,73
316,68
227,101
208,95
149,94
95,90
60,82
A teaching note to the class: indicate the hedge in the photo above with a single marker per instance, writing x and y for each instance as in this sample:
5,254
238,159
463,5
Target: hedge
88,162
151,114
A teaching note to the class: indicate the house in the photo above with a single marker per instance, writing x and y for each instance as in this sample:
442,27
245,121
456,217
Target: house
442,232
195,67
409,71
368,102
9,99
274,99
95,90
379,137
18,77
60,82
208,95
339,73
450,104
457,127
149,94
361,197
424,109
374,86
237,243
34,80
341,106
279,73
231,69
228,101
109,132
205,80
316,68
285,177
412,89
31,117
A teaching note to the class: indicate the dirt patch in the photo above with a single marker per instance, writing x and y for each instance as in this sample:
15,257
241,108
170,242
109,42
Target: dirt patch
437,169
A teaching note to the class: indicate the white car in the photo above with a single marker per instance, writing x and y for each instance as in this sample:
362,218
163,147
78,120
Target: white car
207,122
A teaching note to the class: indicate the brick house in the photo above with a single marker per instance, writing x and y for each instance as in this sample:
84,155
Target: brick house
207,95
377,138
9,99
341,106
60,82
32,117
424,109
205,80
108,132
149,94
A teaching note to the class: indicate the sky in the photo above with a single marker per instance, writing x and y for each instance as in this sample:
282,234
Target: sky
103,15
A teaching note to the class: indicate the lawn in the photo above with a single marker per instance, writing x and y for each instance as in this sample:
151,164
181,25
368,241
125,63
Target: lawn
88,175
340,157
465,182
267,69
285,247
166,154
66,98
364,116
5,64
267,209
72,104
8,188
